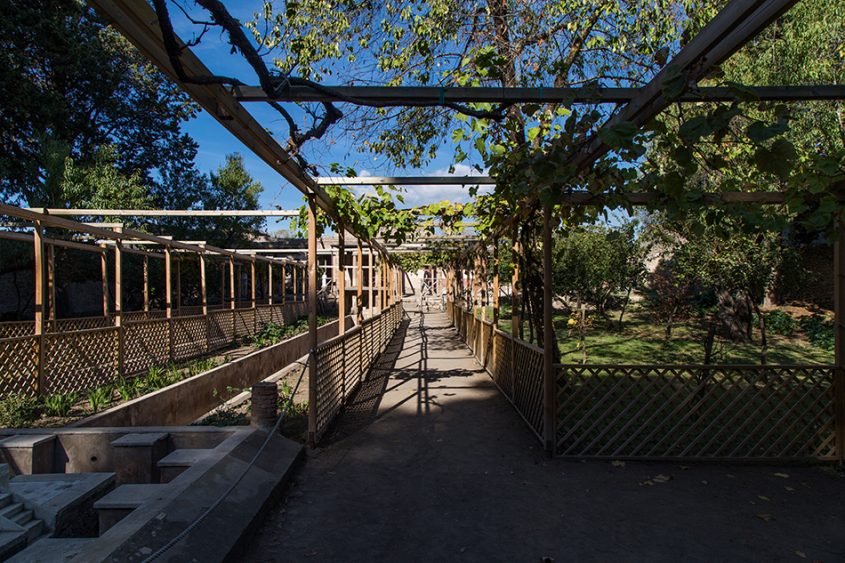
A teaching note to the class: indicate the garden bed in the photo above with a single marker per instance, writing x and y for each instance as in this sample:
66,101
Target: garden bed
76,408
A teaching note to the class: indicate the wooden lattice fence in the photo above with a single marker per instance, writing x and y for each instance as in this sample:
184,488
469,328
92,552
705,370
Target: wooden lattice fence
716,412
343,362
80,354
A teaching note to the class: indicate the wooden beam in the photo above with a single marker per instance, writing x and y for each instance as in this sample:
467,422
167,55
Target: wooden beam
167,212
409,96
105,282
232,283
495,285
203,294
118,307
359,283
341,282
312,320
371,279
38,267
27,237
269,284
406,181
51,282
146,284
549,339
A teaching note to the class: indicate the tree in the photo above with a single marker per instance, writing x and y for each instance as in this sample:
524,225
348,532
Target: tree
232,187
68,80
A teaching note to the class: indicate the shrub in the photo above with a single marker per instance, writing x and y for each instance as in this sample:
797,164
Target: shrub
19,411
780,322
223,416
819,331
60,404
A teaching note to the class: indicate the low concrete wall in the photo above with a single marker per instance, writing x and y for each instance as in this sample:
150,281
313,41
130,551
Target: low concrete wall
184,402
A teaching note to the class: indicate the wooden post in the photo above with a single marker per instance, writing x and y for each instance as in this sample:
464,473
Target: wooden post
839,324
496,265
146,284
252,283
203,293
223,285
312,319
231,283
105,278
341,281
168,299
295,288
179,284
270,283
51,281
284,282
516,291
118,303
549,340
38,266
371,280
359,282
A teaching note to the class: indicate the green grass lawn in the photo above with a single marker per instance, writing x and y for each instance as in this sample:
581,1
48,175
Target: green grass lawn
644,342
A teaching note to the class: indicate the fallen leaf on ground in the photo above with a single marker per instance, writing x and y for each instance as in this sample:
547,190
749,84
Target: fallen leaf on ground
790,489
765,517
647,482
763,497
617,463
801,554
662,478
782,475
704,482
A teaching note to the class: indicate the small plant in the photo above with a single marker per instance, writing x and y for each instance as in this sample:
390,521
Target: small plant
223,416
127,389
157,377
780,322
60,404
19,411
99,397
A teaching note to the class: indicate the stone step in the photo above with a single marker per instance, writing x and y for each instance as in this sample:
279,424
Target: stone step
34,529
22,517
177,461
11,510
5,499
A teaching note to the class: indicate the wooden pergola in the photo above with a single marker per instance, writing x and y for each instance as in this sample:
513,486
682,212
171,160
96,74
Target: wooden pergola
733,27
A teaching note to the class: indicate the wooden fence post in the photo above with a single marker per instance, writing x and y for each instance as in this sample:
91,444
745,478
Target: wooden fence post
168,300
38,266
179,284
359,282
284,286
105,279
294,288
118,303
341,281
252,295
839,323
146,285
312,319
371,280
549,340
51,282
270,286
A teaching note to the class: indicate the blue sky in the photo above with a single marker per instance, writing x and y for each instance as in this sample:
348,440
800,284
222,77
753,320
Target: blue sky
215,142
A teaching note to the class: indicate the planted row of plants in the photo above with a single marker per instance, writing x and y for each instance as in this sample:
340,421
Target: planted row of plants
17,411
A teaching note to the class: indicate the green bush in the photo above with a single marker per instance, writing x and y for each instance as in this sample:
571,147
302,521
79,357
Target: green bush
60,404
780,322
19,411
819,331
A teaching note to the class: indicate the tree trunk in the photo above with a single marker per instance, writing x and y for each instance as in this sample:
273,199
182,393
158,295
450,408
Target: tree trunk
624,307
735,316
764,341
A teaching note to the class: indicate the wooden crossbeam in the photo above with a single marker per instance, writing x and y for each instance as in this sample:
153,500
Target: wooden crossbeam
406,181
169,212
384,96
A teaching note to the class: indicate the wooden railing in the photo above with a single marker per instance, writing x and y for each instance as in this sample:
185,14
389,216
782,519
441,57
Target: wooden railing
661,412
344,361
80,354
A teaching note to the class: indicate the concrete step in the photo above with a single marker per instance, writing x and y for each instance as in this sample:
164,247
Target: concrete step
22,517
11,510
34,529
5,499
